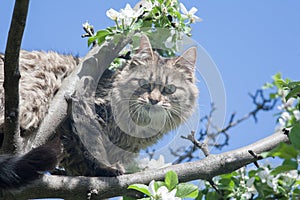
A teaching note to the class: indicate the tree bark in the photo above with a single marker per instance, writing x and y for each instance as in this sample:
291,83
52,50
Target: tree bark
103,187
11,141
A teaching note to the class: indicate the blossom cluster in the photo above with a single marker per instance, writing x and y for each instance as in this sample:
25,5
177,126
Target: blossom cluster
288,112
127,16
162,193
170,189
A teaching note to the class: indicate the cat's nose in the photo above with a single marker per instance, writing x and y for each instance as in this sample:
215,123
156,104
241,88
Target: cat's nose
153,101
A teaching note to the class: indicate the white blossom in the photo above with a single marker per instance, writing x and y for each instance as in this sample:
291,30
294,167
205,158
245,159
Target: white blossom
169,43
246,195
112,14
190,14
151,188
284,117
293,174
147,163
266,177
162,193
297,114
287,104
250,189
128,12
250,182
86,25
126,15
146,5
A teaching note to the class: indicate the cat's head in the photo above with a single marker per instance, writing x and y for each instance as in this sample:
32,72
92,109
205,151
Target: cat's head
153,94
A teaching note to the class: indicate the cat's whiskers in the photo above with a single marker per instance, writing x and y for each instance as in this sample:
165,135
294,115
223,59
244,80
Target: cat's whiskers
142,100
170,120
135,110
181,108
140,110
177,111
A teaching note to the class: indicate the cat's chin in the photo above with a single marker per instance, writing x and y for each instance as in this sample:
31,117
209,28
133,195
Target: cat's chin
152,116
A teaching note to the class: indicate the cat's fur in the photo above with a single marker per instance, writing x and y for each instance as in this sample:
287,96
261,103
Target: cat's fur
136,105
17,171
41,77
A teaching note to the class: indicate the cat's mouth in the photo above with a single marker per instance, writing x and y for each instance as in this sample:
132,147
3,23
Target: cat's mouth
143,113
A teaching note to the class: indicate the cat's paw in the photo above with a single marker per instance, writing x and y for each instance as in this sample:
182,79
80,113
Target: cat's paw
109,172
119,167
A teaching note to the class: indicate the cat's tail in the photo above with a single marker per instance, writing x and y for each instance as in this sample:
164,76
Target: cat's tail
18,171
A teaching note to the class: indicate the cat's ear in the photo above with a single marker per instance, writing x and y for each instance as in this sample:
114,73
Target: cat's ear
187,62
145,47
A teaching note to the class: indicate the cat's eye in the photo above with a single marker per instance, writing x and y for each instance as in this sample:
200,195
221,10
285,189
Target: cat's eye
144,84
169,89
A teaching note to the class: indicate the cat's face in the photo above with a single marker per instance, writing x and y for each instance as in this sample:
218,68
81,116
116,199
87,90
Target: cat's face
155,94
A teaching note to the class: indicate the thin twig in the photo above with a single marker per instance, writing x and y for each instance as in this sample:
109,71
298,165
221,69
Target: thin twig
211,132
213,185
201,145
258,157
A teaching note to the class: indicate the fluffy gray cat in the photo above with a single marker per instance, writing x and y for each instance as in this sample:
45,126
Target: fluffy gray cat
136,105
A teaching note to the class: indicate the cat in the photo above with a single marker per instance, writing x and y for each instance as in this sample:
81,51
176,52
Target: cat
18,171
41,76
136,105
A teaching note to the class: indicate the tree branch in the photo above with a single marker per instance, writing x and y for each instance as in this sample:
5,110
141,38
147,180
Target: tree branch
11,141
211,166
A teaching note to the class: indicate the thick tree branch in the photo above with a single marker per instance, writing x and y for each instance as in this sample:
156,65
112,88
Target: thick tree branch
11,141
211,166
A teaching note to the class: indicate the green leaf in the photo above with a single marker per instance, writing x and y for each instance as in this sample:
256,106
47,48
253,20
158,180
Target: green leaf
267,86
283,150
171,180
187,29
111,29
128,198
200,196
295,135
91,40
187,190
286,166
213,195
100,36
273,95
280,83
293,84
276,76
159,184
226,184
141,188
137,25
293,93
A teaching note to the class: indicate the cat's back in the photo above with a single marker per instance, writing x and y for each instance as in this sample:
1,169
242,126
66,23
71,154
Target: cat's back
41,76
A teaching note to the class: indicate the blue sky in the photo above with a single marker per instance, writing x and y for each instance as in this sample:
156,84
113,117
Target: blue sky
249,41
